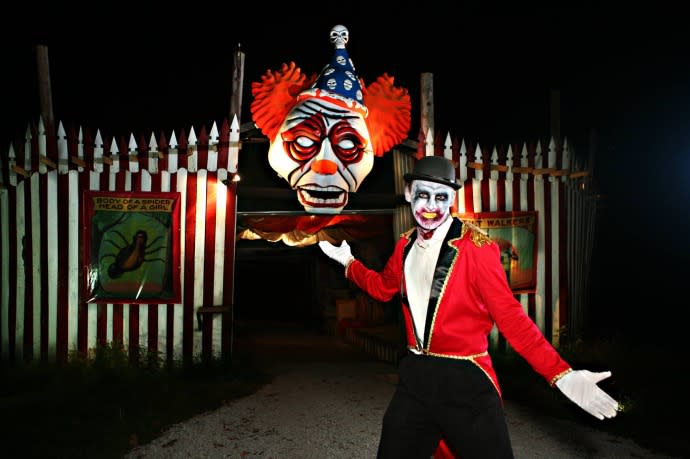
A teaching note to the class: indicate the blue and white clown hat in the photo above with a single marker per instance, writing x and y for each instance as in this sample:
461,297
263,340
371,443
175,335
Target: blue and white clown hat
338,81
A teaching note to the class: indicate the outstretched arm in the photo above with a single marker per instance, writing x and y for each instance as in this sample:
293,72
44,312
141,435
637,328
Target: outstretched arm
580,386
342,254
524,336
381,286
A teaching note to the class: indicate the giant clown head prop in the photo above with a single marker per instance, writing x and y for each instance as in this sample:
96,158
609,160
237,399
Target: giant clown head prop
324,131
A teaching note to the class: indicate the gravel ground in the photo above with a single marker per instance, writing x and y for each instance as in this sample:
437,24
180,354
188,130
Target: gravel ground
327,401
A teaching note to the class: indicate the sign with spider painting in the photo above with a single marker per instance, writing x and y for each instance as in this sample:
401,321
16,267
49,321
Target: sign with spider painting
515,233
132,247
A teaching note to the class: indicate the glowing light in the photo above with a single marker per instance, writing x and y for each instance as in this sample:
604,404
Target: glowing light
232,177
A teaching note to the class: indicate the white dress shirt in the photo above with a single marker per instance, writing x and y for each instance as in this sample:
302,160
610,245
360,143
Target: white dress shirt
419,272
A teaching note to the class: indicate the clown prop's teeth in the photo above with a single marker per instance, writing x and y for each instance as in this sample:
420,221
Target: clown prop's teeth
322,196
429,215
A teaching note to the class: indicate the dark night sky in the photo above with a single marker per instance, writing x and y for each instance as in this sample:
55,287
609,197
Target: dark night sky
623,73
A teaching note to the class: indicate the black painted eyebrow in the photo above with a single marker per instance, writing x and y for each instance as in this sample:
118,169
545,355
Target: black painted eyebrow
313,106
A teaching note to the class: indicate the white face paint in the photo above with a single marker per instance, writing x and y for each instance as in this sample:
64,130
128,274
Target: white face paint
430,202
324,152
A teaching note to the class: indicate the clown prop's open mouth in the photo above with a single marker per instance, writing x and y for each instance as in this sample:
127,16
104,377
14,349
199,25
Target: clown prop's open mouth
317,196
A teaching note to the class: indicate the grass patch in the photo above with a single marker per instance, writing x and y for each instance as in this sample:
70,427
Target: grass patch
100,408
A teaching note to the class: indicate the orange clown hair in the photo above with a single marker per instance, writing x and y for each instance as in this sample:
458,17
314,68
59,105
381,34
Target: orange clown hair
389,113
275,95
277,92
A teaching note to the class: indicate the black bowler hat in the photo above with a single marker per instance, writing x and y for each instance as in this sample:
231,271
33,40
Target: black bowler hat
434,169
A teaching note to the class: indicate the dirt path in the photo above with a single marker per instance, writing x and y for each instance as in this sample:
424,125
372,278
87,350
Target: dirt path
327,401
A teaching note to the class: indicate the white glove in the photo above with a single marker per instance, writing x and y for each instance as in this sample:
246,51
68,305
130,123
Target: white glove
341,254
581,387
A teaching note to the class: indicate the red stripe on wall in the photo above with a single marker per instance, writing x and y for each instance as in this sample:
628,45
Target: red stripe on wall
548,259
229,268
118,324
516,203
170,313
468,195
88,152
51,141
43,231
501,193
120,180
224,144
501,207
102,309
516,192
62,274
531,301
133,308
188,300
153,308
562,256
27,250
170,325
123,156
209,238
182,162
163,162
12,270
209,258
142,156
101,313
3,269
34,148
134,333
468,188
202,149
156,184
101,324
153,328
82,319
485,193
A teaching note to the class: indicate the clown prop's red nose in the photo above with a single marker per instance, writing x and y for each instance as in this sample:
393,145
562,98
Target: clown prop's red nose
324,166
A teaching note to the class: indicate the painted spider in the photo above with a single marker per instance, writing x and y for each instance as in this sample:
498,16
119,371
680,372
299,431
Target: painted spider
131,256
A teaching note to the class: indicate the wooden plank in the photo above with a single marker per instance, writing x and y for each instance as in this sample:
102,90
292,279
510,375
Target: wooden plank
78,161
21,170
213,309
47,161
543,170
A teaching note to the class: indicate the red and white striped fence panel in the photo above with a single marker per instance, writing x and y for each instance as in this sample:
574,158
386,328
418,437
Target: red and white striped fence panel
42,311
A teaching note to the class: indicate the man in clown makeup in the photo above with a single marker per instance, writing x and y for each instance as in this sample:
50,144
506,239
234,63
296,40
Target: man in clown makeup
454,289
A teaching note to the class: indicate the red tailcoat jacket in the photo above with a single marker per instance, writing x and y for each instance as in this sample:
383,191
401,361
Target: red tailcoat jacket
469,293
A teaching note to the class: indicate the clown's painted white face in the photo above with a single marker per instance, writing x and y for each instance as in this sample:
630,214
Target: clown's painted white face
324,152
430,201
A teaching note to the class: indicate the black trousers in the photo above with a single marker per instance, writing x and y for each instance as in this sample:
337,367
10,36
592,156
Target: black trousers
443,398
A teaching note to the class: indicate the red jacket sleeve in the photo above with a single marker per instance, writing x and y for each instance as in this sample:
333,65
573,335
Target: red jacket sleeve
383,285
517,327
